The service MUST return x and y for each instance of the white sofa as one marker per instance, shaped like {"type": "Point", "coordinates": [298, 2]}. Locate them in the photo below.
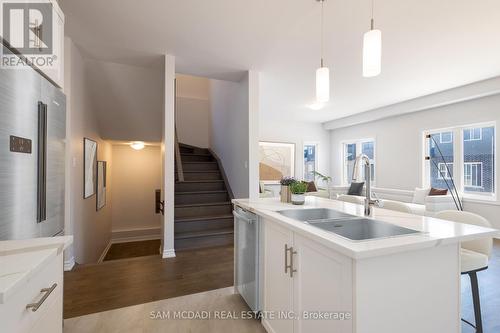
{"type": "Point", "coordinates": [430, 206]}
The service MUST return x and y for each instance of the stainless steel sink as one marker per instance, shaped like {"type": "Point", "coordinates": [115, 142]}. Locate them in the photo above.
{"type": "Point", "coordinates": [362, 229]}
{"type": "Point", "coordinates": [352, 227]}
{"type": "Point", "coordinates": [315, 214]}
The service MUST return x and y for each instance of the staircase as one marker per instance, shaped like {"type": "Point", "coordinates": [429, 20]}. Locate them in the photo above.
{"type": "Point", "coordinates": [203, 209]}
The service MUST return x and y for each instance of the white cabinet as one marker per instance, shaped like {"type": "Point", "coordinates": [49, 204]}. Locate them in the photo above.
{"type": "Point", "coordinates": [42, 290]}
{"type": "Point", "coordinates": [322, 288]}
{"type": "Point", "coordinates": [278, 286]}
{"type": "Point", "coordinates": [304, 280]}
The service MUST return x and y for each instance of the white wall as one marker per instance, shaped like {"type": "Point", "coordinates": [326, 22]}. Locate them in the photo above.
{"type": "Point", "coordinates": [91, 228]}
{"type": "Point", "coordinates": [193, 110]}
{"type": "Point", "coordinates": [230, 131]}
{"type": "Point", "coordinates": [399, 145]}
{"type": "Point", "coordinates": [136, 176]}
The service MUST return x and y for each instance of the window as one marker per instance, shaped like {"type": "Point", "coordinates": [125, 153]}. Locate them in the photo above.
{"type": "Point", "coordinates": [473, 134]}
{"type": "Point", "coordinates": [310, 161]}
{"type": "Point", "coordinates": [479, 160]}
{"type": "Point", "coordinates": [351, 150]}
{"type": "Point", "coordinates": [446, 137]}
{"type": "Point", "coordinates": [469, 153]}
{"type": "Point", "coordinates": [445, 170]}
{"type": "Point", "coordinates": [441, 155]}
{"type": "Point", "coordinates": [473, 174]}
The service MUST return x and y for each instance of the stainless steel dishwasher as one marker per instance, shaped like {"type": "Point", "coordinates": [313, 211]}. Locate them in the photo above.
{"type": "Point", "coordinates": [247, 256]}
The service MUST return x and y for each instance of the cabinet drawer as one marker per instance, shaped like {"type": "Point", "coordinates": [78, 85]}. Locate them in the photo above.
{"type": "Point", "coordinates": [14, 315]}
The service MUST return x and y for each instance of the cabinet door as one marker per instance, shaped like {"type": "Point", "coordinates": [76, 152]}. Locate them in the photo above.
{"type": "Point", "coordinates": [278, 286]}
{"type": "Point", "coordinates": [322, 286]}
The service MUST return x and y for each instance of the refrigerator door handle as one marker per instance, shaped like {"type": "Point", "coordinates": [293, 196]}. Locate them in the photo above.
{"type": "Point", "coordinates": [42, 163]}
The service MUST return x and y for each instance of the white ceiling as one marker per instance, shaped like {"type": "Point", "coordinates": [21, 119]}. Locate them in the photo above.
{"type": "Point", "coordinates": [428, 45]}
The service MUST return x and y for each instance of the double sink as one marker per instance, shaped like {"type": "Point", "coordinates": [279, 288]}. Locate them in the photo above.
{"type": "Point", "coordinates": [352, 227]}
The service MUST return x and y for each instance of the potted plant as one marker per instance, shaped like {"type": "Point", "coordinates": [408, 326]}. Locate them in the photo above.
{"type": "Point", "coordinates": [325, 179]}
{"type": "Point", "coordinates": [285, 194]}
{"type": "Point", "coordinates": [298, 189]}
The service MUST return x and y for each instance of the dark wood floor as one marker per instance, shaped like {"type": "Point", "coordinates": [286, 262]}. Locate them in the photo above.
{"type": "Point", "coordinates": [489, 290]}
{"type": "Point", "coordinates": [133, 249]}
{"type": "Point", "coordinates": [119, 283]}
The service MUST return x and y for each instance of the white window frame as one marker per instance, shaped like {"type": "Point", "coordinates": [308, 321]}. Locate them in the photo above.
{"type": "Point", "coordinates": [441, 170]}
{"type": "Point", "coordinates": [359, 145]}
{"type": "Point", "coordinates": [471, 132]}
{"type": "Point", "coordinates": [458, 160]}
{"type": "Point", "coordinates": [441, 137]}
{"type": "Point", "coordinates": [481, 172]}
{"type": "Point", "coordinates": [316, 161]}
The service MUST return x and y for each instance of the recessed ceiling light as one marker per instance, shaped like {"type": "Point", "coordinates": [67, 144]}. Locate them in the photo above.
{"type": "Point", "coordinates": [137, 145]}
{"type": "Point", "coordinates": [316, 106]}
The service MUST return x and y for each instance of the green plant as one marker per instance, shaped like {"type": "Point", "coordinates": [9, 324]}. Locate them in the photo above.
{"type": "Point", "coordinates": [298, 187]}
{"type": "Point", "coordinates": [324, 178]}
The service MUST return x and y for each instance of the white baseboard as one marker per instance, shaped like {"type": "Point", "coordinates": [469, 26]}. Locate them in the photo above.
{"type": "Point", "coordinates": [103, 254]}
{"type": "Point", "coordinates": [69, 264]}
{"type": "Point", "coordinates": [168, 253]}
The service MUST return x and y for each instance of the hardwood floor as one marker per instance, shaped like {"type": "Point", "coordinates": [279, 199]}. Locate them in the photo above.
{"type": "Point", "coordinates": [119, 283]}
{"type": "Point", "coordinates": [133, 249]}
{"type": "Point", "coordinates": [489, 290]}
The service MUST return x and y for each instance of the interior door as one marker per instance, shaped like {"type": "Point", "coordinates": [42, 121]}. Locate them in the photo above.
{"type": "Point", "coordinates": [56, 137]}
{"type": "Point", "coordinates": [278, 287]}
{"type": "Point", "coordinates": [19, 97]}
{"type": "Point", "coordinates": [322, 286]}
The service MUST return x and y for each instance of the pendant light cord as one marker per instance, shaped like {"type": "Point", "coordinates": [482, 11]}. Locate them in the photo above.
{"type": "Point", "coordinates": [372, 22]}
{"type": "Point", "coordinates": [322, 31]}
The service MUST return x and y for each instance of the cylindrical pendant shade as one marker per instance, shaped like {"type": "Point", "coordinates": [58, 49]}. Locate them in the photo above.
{"type": "Point", "coordinates": [372, 53]}
{"type": "Point", "coordinates": [322, 85]}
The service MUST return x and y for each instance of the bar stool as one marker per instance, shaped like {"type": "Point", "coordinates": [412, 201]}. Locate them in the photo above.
{"type": "Point", "coordinates": [474, 257]}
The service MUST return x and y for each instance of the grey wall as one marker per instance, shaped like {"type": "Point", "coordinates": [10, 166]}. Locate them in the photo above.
{"type": "Point", "coordinates": [91, 228]}
{"type": "Point", "coordinates": [399, 145]}
{"type": "Point", "coordinates": [230, 131]}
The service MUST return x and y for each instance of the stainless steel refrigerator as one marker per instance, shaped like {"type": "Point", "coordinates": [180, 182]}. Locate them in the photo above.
{"type": "Point", "coordinates": [32, 155]}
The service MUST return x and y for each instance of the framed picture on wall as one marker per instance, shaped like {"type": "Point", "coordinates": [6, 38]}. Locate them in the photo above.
{"type": "Point", "coordinates": [101, 184]}
{"type": "Point", "coordinates": [276, 160]}
{"type": "Point", "coordinates": [89, 167]}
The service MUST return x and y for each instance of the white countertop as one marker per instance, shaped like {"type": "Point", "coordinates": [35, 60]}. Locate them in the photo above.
{"type": "Point", "coordinates": [22, 259]}
{"type": "Point", "coordinates": [434, 232]}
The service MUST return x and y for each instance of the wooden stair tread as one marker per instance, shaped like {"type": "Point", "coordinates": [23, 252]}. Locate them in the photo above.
{"type": "Point", "coordinates": [223, 203]}
{"type": "Point", "coordinates": [195, 154]}
{"type": "Point", "coordinates": [203, 218]}
{"type": "Point", "coordinates": [201, 181]}
{"type": "Point", "coordinates": [200, 162]}
{"type": "Point", "coordinates": [204, 233]}
{"type": "Point", "coordinates": [202, 171]}
{"type": "Point", "coordinates": [201, 192]}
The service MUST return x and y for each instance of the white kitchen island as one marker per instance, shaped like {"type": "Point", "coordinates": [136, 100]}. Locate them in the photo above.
{"type": "Point", "coordinates": [315, 281]}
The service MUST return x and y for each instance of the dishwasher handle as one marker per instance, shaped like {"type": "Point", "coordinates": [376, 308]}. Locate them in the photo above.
{"type": "Point", "coordinates": [244, 218]}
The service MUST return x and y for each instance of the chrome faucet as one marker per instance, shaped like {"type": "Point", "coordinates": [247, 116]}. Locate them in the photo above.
{"type": "Point", "coordinates": [363, 159]}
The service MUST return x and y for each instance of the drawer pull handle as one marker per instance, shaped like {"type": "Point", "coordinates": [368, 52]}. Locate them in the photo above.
{"type": "Point", "coordinates": [47, 292]}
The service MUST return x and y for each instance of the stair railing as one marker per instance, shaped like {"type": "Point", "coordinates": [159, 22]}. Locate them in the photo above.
{"type": "Point", "coordinates": [180, 171]}
{"type": "Point", "coordinates": [178, 161]}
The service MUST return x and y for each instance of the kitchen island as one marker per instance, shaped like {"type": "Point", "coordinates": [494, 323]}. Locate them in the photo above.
{"type": "Point", "coordinates": [314, 280]}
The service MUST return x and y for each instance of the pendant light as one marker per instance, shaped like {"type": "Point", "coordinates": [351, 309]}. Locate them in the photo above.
{"type": "Point", "coordinates": [372, 50]}
{"type": "Point", "coordinates": [322, 73]}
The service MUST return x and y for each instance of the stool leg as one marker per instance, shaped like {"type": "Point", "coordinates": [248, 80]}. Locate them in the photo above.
{"type": "Point", "coordinates": [477, 303]}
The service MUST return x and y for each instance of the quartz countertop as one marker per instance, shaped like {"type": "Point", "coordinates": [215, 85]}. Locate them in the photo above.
{"type": "Point", "coordinates": [20, 260]}
{"type": "Point", "coordinates": [433, 232]}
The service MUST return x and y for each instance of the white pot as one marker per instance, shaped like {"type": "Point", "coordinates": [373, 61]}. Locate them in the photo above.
{"type": "Point", "coordinates": [298, 199]}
